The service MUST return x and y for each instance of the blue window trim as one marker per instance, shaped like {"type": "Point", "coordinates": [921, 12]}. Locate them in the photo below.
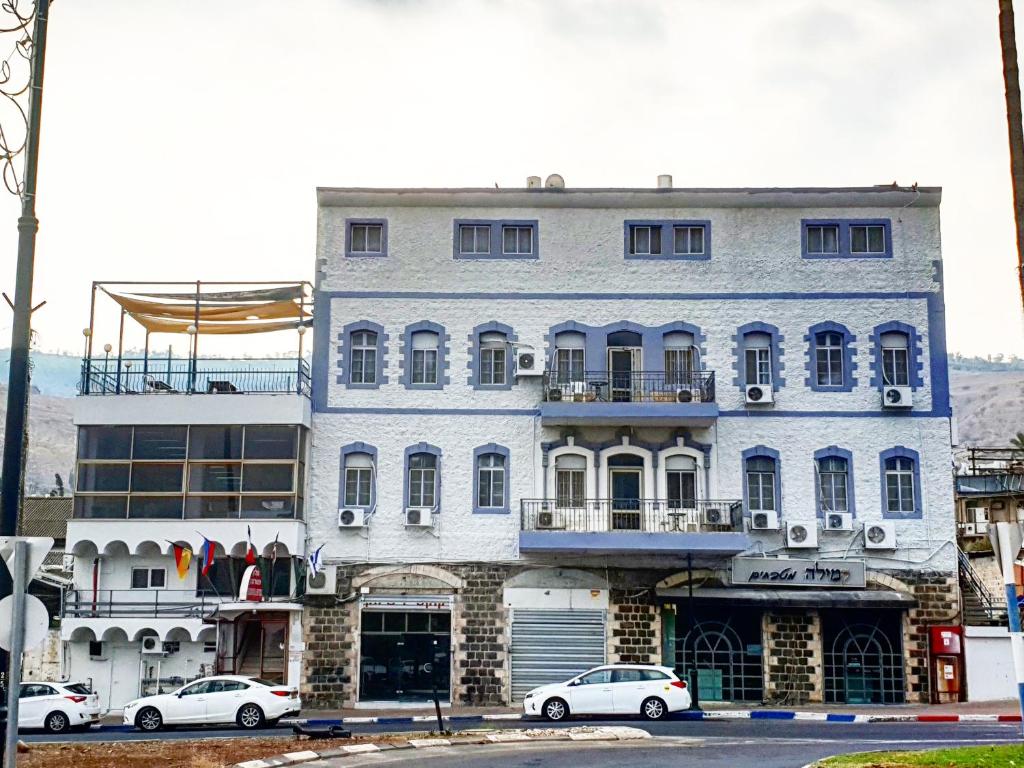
{"type": "Point", "coordinates": [474, 355]}
{"type": "Point", "coordinates": [344, 350]}
{"type": "Point", "coordinates": [596, 342]}
{"type": "Point", "coordinates": [433, 450]}
{"type": "Point", "coordinates": [902, 452]}
{"type": "Point", "coordinates": [849, 364]}
{"type": "Point", "coordinates": [350, 254]}
{"type": "Point", "coordinates": [443, 355]}
{"type": "Point", "coordinates": [844, 238]}
{"type": "Point", "coordinates": [915, 364]}
{"type": "Point", "coordinates": [484, 450]}
{"type": "Point", "coordinates": [346, 451]}
{"type": "Point", "coordinates": [497, 241]}
{"type": "Point", "coordinates": [667, 239]}
{"type": "Point", "coordinates": [834, 451]}
{"type": "Point", "coordinates": [739, 357]}
{"type": "Point", "coordinates": [764, 451]}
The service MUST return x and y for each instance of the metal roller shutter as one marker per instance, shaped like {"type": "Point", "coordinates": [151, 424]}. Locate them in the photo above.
{"type": "Point", "coordinates": [552, 646]}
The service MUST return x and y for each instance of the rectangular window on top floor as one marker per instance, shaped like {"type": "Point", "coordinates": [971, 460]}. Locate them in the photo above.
{"type": "Point", "coordinates": [823, 240]}
{"type": "Point", "coordinates": [645, 240]}
{"type": "Point", "coordinates": [367, 237]}
{"type": "Point", "coordinates": [495, 239]}
{"type": "Point", "coordinates": [867, 239]}
{"type": "Point", "coordinates": [689, 240]}
{"type": "Point", "coordinates": [517, 240]}
{"type": "Point", "coordinates": [475, 239]}
{"type": "Point", "coordinates": [846, 238]}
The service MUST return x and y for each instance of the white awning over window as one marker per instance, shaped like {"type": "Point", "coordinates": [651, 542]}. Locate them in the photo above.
{"type": "Point", "coordinates": [492, 339]}
{"type": "Point", "coordinates": [757, 341]}
{"type": "Point", "coordinates": [679, 462]}
{"type": "Point", "coordinates": [894, 340]}
{"type": "Point", "coordinates": [358, 460]}
{"type": "Point", "coordinates": [679, 340]}
{"type": "Point", "coordinates": [570, 340]}
{"type": "Point", "coordinates": [424, 340]}
{"type": "Point", "coordinates": [571, 461]}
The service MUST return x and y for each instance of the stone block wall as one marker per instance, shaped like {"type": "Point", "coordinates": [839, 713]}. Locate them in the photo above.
{"type": "Point", "coordinates": [330, 664]}
{"type": "Point", "coordinates": [792, 657]}
{"type": "Point", "coordinates": [634, 628]}
{"type": "Point", "coordinates": [480, 634]}
{"type": "Point", "coordinates": [938, 602]}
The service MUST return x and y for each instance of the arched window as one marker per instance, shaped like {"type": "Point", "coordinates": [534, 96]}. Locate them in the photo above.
{"type": "Point", "coordinates": [679, 358]}
{"type": "Point", "coordinates": [491, 479]}
{"type": "Point", "coordinates": [422, 480]}
{"type": "Point", "coordinates": [570, 357]}
{"type": "Point", "coordinates": [761, 489]}
{"type": "Point", "coordinates": [901, 483]}
{"type": "Point", "coordinates": [757, 351]}
{"type": "Point", "coordinates": [681, 476]}
{"type": "Point", "coordinates": [363, 368]}
{"type": "Point", "coordinates": [833, 484]}
{"type": "Point", "coordinates": [363, 353]}
{"type": "Point", "coordinates": [490, 356]}
{"type": "Point", "coordinates": [424, 357]}
{"type": "Point", "coordinates": [895, 359]}
{"type": "Point", "coordinates": [570, 480]}
{"type": "Point", "coordinates": [358, 480]}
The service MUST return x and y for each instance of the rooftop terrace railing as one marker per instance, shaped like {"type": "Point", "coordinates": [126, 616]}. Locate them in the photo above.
{"type": "Point", "coordinates": [103, 376]}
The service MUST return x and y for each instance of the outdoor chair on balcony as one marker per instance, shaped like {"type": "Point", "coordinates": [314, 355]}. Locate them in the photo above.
{"type": "Point", "coordinates": [156, 385]}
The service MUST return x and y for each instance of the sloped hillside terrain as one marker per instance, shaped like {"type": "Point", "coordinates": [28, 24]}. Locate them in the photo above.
{"type": "Point", "coordinates": [51, 441]}
{"type": "Point", "coordinates": [989, 406]}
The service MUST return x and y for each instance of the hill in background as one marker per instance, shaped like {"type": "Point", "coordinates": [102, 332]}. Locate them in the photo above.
{"type": "Point", "coordinates": [989, 406]}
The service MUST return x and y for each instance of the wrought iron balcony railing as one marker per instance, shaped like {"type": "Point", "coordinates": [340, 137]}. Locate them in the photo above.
{"type": "Point", "coordinates": [642, 515]}
{"type": "Point", "coordinates": [104, 376]}
{"type": "Point", "coordinates": [630, 387]}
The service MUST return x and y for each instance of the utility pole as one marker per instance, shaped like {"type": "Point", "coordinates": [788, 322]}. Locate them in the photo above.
{"type": "Point", "coordinates": [1011, 81]}
{"type": "Point", "coordinates": [12, 482]}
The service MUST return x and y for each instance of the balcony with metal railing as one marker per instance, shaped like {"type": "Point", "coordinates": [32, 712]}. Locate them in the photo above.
{"type": "Point", "coordinates": [617, 397]}
{"type": "Point", "coordinates": [136, 376]}
{"type": "Point", "coordinates": [142, 603]}
{"type": "Point", "coordinates": [651, 526]}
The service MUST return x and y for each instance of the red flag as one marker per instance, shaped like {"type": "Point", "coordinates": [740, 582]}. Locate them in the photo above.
{"type": "Point", "coordinates": [250, 553]}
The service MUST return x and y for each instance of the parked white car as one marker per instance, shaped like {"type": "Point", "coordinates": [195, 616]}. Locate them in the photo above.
{"type": "Point", "coordinates": [620, 689]}
{"type": "Point", "coordinates": [57, 707]}
{"type": "Point", "coordinates": [246, 701]}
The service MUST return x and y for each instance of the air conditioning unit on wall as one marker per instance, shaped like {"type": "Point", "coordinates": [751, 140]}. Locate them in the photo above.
{"type": "Point", "coordinates": [548, 519]}
{"type": "Point", "coordinates": [764, 521]}
{"type": "Point", "coordinates": [324, 583]}
{"type": "Point", "coordinates": [802, 535]}
{"type": "Point", "coordinates": [880, 535]}
{"type": "Point", "coordinates": [838, 521]}
{"type": "Point", "coordinates": [897, 397]}
{"type": "Point", "coordinates": [351, 518]}
{"type": "Point", "coordinates": [151, 645]}
{"type": "Point", "coordinates": [759, 394]}
{"type": "Point", "coordinates": [528, 361]}
{"type": "Point", "coordinates": [419, 517]}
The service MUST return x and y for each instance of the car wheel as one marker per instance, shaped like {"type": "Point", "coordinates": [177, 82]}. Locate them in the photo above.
{"type": "Point", "coordinates": [57, 722]}
{"type": "Point", "coordinates": [555, 710]}
{"type": "Point", "coordinates": [149, 719]}
{"type": "Point", "coordinates": [250, 717]}
{"type": "Point", "coordinates": [653, 708]}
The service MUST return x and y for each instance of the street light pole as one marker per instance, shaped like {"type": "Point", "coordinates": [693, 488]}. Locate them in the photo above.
{"type": "Point", "coordinates": [11, 482]}
{"type": "Point", "coordinates": [1011, 84]}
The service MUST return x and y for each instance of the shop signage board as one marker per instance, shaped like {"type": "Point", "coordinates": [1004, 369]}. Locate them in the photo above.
{"type": "Point", "coordinates": [794, 572]}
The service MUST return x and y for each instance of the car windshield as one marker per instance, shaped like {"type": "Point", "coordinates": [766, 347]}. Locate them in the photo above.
{"type": "Point", "coordinates": [78, 688]}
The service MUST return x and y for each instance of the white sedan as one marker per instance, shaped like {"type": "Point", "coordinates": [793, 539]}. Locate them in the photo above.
{"type": "Point", "coordinates": [620, 689]}
{"type": "Point", "coordinates": [247, 701]}
{"type": "Point", "coordinates": [57, 707]}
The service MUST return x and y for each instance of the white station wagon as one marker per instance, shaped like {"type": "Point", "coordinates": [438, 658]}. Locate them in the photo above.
{"type": "Point", "coordinates": [619, 689]}
{"type": "Point", "coordinates": [246, 701]}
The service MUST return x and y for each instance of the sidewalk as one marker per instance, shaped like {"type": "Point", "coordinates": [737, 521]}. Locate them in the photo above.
{"type": "Point", "coordinates": [995, 711]}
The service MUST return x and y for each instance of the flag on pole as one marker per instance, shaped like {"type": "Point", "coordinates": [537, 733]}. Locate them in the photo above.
{"type": "Point", "coordinates": [273, 552]}
{"type": "Point", "coordinates": [314, 561]}
{"type": "Point", "coordinates": [206, 555]}
{"type": "Point", "coordinates": [250, 553]}
{"type": "Point", "coordinates": [182, 559]}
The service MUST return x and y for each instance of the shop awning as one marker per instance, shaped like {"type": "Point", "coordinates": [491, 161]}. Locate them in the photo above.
{"type": "Point", "coordinates": [236, 609]}
{"type": "Point", "coordinates": [795, 598]}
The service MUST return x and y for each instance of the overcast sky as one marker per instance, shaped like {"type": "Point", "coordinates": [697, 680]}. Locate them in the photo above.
{"type": "Point", "coordinates": [183, 139]}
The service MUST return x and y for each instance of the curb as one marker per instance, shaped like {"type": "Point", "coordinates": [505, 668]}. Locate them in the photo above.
{"type": "Point", "coordinates": [614, 733]}
{"type": "Point", "coordinates": [720, 714]}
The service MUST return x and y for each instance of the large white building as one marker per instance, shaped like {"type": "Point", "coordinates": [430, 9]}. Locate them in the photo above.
{"type": "Point", "coordinates": [175, 450]}
{"type": "Point", "coordinates": [554, 427]}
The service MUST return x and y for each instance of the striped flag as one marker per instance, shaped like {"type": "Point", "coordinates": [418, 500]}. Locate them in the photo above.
{"type": "Point", "coordinates": [182, 560]}
{"type": "Point", "coordinates": [315, 563]}
{"type": "Point", "coordinates": [206, 555]}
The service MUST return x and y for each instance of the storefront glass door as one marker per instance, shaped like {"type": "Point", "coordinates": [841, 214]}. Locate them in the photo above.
{"type": "Point", "coordinates": [404, 656]}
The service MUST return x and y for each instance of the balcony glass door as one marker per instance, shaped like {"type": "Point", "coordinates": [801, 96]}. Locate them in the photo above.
{"type": "Point", "coordinates": [626, 483]}
{"type": "Point", "coordinates": [624, 369]}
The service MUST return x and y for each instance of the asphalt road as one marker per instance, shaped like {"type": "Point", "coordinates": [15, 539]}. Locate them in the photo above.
{"type": "Point", "coordinates": [696, 744]}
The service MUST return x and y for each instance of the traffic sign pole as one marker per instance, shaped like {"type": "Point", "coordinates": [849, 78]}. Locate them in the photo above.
{"type": "Point", "coordinates": [19, 572]}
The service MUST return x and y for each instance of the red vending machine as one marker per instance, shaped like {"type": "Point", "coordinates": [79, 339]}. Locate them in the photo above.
{"type": "Point", "coordinates": [946, 646]}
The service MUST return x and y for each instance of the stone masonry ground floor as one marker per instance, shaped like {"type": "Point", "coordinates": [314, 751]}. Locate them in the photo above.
{"type": "Point", "coordinates": [485, 634]}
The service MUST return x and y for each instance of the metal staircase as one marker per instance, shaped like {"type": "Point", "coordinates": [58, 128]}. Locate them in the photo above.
{"type": "Point", "coordinates": [980, 606]}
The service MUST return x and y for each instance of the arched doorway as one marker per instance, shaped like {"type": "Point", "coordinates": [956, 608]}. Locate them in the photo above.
{"type": "Point", "coordinates": [863, 659]}
{"type": "Point", "coordinates": [723, 652]}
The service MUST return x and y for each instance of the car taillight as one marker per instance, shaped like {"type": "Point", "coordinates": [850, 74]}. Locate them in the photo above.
{"type": "Point", "coordinates": [77, 699]}
{"type": "Point", "coordinates": [281, 693]}
{"type": "Point", "coordinates": [679, 684]}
